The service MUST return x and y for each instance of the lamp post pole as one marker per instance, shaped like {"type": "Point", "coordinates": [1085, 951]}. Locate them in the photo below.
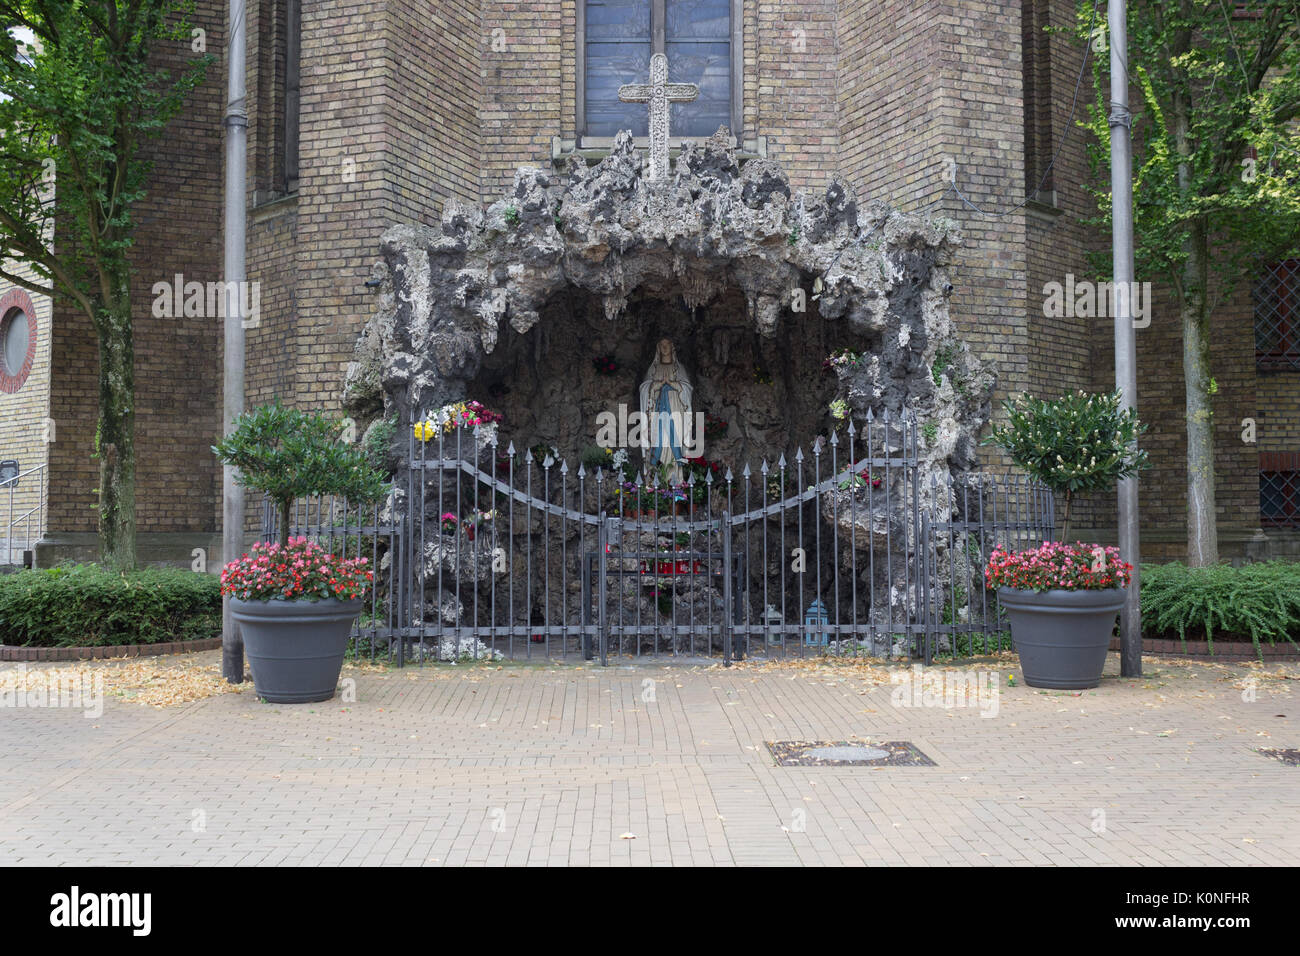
{"type": "Point", "coordinates": [232, 510]}
{"type": "Point", "coordinates": [1121, 191]}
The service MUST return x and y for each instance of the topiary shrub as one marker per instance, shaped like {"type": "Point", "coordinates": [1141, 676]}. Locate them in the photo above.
{"type": "Point", "coordinates": [1078, 443]}
{"type": "Point", "coordinates": [86, 605]}
{"type": "Point", "coordinates": [1256, 602]}
{"type": "Point", "coordinates": [289, 454]}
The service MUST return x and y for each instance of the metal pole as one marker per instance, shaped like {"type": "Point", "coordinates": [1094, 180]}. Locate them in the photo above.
{"type": "Point", "coordinates": [1121, 187]}
{"type": "Point", "coordinates": [232, 513]}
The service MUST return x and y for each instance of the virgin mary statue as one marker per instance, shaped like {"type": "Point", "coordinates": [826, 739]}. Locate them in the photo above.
{"type": "Point", "coordinates": [666, 412]}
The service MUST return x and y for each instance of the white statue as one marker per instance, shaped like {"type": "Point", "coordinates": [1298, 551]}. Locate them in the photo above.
{"type": "Point", "coordinates": [666, 413]}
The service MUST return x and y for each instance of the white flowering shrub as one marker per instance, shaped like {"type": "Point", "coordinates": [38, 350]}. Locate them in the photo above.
{"type": "Point", "coordinates": [1078, 443]}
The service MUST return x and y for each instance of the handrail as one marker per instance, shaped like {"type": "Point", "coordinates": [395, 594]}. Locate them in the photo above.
{"type": "Point", "coordinates": [41, 510]}
{"type": "Point", "coordinates": [14, 479]}
{"type": "Point", "coordinates": [810, 492]}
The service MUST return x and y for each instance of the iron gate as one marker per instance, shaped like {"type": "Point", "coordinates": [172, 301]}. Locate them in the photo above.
{"type": "Point", "coordinates": [852, 548]}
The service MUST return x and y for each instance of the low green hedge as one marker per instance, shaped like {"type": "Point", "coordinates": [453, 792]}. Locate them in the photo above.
{"type": "Point", "coordinates": [86, 605]}
{"type": "Point", "coordinates": [1256, 602]}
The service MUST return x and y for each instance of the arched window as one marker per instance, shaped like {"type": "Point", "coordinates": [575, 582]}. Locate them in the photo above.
{"type": "Point", "coordinates": [17, 339]}
{"type": "Point", "coordinates": [701, 40]}
{"type": "Point", "coordinates": [273, 156]}
{"type": "Point", "coordinates": [1036, 67]}
{"type": "Point", "coordinates": [292, 63]}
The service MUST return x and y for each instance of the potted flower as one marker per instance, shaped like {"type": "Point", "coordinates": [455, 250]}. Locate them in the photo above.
{"type": "Point", "coordinates": [295, 603]}
{"type": "Point", "coordinates": [448, 418]}
{"type": "Point", "coordinates": [1061, 602]}
{"type": "Point", "coordinates": [477, 520]}
{"type": "Point", "coordinates": [841, 360]}
{"type": "Point", "coordinates": [1062, 599]}
{"type": "Point", "coordinates": [627, 500]}
{"type": "Point", "coordinates": [857, 480]}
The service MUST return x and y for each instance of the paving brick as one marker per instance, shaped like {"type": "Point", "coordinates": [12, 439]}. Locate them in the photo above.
{"type": "Point", "coordinates": [1169, 760]}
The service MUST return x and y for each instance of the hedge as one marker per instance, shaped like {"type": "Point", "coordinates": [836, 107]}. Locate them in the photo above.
{"type": "Point", "coordinates": [1256, 602]}
{"type": "Point", "coordinates": [86, 605]}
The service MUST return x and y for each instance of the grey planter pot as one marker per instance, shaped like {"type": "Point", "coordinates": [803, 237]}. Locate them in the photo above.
{"type": "Point", "coordinates": [1062, 636]}
{"type": "Point", "coordinates": [295, 648]}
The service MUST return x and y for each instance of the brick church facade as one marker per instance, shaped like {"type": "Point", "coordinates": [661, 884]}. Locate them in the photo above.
{"type": "Point", "coordinates": [363, 115]}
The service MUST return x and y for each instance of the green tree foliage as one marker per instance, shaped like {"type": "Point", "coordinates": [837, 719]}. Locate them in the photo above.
{"type": "Point", "coordinates": [1216, 147]}
{"type": "Point", "coordinates": [1077, 443]}
{"type": "Point", "coordinates": [289, 454]}
{"type": "Point", "coordinates": [81, 96]}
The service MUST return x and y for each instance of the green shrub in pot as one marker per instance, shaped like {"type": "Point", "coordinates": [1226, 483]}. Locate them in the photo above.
{"type": "Point", "coordinates": [295, 603]}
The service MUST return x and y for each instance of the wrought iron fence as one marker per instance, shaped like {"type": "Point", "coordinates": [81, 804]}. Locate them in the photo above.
{"type": "Point", "coordinates": [975, 513]}
{"type": "Point", "coordinates": [852, 546]}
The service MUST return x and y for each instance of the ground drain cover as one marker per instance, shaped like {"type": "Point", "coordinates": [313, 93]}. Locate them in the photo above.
{"type": "Point", "coordinates": [1289, 757]}
{"type": "Point", "coordinates": [847, 753]}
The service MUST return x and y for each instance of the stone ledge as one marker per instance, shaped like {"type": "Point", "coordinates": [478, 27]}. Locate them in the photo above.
{"type": "Point", "coordinates": [268, 205]}
{"type": "Point", "coordinates": [1237, 546]}
{"type": "Point", "coordinates": [1223, 650]}
{"type": "Point", "coordinates": [153, 548]}
{"type": "Point", "coordinates": [592, 153]}
{"type": "Point", "coordinates": [106, 651]}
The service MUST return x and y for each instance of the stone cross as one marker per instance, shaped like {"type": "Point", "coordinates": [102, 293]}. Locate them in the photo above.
{"type": "Point", "coordinates": [658, 93]}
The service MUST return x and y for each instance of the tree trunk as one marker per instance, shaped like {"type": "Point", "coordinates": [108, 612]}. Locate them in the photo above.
{"type": "Point", "coordinates": [1202, 529]}
{"type": "Point", "coordinates": [1202, 533]}
{"type": "Point", "coordinates": [116, 433]}
{"type": "Point", "coordinates": [283, 507]}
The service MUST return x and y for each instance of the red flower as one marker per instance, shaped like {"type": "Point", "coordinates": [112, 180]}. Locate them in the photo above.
{"type": "Point", "coordinates": [305, 570]}
{"type": "Point", "coordinates": [1070, 567]}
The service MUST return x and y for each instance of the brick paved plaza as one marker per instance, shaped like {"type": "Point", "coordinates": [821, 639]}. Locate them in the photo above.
{"type": "Point", "coordinates": [531, 764]}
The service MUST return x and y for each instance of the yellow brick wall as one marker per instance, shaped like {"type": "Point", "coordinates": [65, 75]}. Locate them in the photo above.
{"type": "Point", "coordinates": [177, 360]}
{"type": "Point", "coordinates": [23, 414]}
{"type": "Point", "coordinates": [404, 105]}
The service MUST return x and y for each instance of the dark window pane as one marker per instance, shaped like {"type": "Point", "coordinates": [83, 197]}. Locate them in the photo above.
{"type": "Point", "coordinates": [618, 19]}
{"type": "Point", "coordinates": [618, 48]}
{"type": "Point", "coordinates": [709, 66]}
{"type": "Point", "coordinates": [15, 342]}
{"type": "Point", "coordinates": [1276, 296]}
{"type": "Point", "coordinates": [1279, 498]}
{"type": "Point", "coordinates": [698, 19]}
{"type": "Point", "coordinates": [609, 66]}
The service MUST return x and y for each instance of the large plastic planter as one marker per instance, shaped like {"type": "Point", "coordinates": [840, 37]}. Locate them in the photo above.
{"type": "Point", "coordinates": [295, 648]}
{"type": "Point", "coordinates": [1062, 636]}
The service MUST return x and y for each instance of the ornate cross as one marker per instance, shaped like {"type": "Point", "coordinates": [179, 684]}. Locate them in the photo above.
{"type": "Point", "coordinates": [658, 93]}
